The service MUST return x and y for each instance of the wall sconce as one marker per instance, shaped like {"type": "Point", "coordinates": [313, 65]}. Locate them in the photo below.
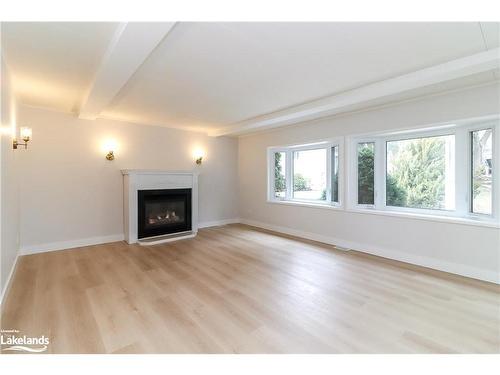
{"type": "Point", "coordinates": [198, 156]}
{"type": "Point", "coordinates": [26, 135]}
{"type": "Point", "coordinates": [109, 146]}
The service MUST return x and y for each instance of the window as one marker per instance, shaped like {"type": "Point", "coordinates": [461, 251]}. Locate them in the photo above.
{"type": "Point", "coordinates": [335, 174]}
{"type": "Point", "coordinates": [279, 175]}
{"type": "Point", "coordinates": [307, 173]}
{"type": "Point", "coordinates": [448, 171]}
{"type": "Point", "coordinates": [419, 173]}
{"type": "Point", "coordinates": [482, 171]}
{"type": "Point", "coordinates": [366, 173]}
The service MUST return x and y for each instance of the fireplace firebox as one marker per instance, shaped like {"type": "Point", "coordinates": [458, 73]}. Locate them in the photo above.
{"type": "Point", "coordinates": [162, 212]}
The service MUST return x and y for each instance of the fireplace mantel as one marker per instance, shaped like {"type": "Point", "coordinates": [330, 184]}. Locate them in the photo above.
{"type": "Point", "coordinates": [149, 179]}
{"type": "Point", "coordinates": [156, 172]}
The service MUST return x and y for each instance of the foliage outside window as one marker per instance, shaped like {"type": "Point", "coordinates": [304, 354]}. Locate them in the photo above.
{"type": "Point", "coordinates": [447, 171]}
{"type": "Point", "coordinates": [279, 175]}
{"type": "Point", "coordinates": [366, 173]}
{"type": "Point", "coordinates": [335, 174]}
{"type": "Point", "coordinates": [482, 171]}
{"type": "Point", "coordinates": [418, 173]}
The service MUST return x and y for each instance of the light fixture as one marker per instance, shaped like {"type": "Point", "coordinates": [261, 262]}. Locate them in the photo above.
{"type": "Point", "coordinates": [26, 135]}
{"type": "Point", "coordinates": [109, 146]}
{"type": "Point", "coordinates": [198, 156]}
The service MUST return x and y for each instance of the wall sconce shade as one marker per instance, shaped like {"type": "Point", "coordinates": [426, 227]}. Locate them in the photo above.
{"type": "Point", "coordinates": [26, 135]}
{"type": "Point", "coordinates": [198, 156]}
{"type": "Point", "coordinates": [109, 146]}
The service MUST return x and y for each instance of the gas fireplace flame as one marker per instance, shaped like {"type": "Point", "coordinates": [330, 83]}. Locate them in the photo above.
{"type": "Point", "coordinates": [164, 218]}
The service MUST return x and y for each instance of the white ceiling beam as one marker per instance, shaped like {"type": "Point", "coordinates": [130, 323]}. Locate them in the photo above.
{"type": "Point", "coordinates": [491, 33]}
{"type": "Point", "coordinates": [478, 63]}
{"type": "Point", "coordinates": [132, 43]}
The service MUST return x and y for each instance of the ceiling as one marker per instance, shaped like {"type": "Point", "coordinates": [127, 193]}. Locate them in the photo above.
{"type": "Point", "coordinates": [213, 76]}
{"type": "Point", "coordinates": [53, 63]}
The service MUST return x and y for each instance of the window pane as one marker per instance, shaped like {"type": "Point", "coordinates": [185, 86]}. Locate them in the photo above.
{"type": "Point", "coordinates": [482, 152]}
{"type": "Point", "coordinates": [279, 175]}
{"type": "Point", "coordinates": [366, 173]}
{"type": "Point", "coordinates": [335, 174]}
{"type": "Point", "coordinates": [420, 173]}
{"type": "Point", "coordinates": [309, 174]}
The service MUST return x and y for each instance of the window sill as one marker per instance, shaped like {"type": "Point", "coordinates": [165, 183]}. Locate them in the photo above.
{"type": "Point", "coordinates": [436, 218]}
{"type": "Point", "coordinates": [306, 204]}
{"type": "Point", "coordinates": [409, 215]}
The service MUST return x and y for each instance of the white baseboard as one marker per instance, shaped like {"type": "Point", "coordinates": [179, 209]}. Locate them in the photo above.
{"type": "Point", "coordinates": [62, 245]}
{"type": "Point", "coordinates": [455, 268]}
{"type": "Point", "coordinates": [299, 233]}
{"type": "Point", "coordinates": [8, 282]}
{"type": "Point", "coordinates": [440, 265]}
{"type": "Point", "coordinates": [217, 223]}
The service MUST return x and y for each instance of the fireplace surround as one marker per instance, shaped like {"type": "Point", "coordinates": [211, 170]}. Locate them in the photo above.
{"type": "Point", "coordinates": [159, 206]}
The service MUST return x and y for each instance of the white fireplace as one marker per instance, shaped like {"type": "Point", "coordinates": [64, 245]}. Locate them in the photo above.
{"type": "Point", "coordinates": [181, 218]}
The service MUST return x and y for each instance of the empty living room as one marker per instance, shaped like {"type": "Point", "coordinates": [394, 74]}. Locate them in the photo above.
{"type": "Point", "coordinates": [256, 186]}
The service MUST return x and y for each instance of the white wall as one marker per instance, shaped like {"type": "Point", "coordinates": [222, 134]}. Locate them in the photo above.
{"type": "Point", "coordinates": [70, 194]}
{"type": "Point", "coordinates": [469, 250]}
{"type": "Point", "coordinates": [9, 208]}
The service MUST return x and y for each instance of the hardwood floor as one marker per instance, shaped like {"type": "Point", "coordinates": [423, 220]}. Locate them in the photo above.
{"type": "Point", "coordinates": [234, 289]}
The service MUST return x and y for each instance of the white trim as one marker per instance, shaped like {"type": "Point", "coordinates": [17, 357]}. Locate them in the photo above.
{"type": "Point", "coordinates": [432, 217]}
{"type": "Point", "coordinates": [440, 265]}
{"type": "Point", "coordinates": [311, 204]}
{"type": "Point", "coordinates": [157, 171]}
{"type": "Point", "coordinates": [63, 245]}
{"type": "Point", "coordinates": [218, 223]}
{"type": "Point", "coordinates": [495, 143]}
{"type": "Point", "coordinates": [346, 245]}
{"type": "Point", "coordinates": [359, 97]}
{"type": "Point", "coordinates": [8, 282]}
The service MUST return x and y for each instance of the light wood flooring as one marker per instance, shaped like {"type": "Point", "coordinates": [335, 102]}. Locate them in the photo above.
{"type": "Point", "coordinates": [235, 289]}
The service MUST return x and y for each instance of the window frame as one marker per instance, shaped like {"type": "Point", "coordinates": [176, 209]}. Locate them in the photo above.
{"type": "Point", "coordinates": [495, 167]}
{"type": "Point", "coordinates": [463, 186]}
{"type": "Point", "coordinates": [289, 167]}
{"type": "Point", "coordinates": [348, 172]}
